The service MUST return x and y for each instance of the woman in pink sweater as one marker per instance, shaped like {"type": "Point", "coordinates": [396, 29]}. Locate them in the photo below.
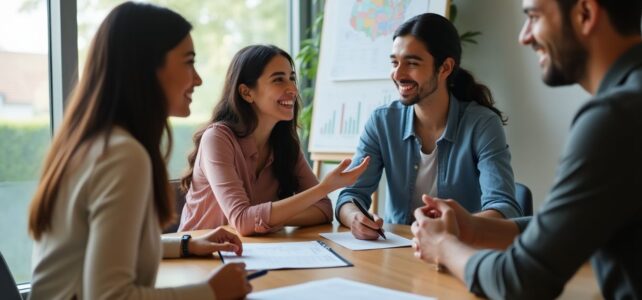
{"type": "Point", "coordinates": [247, 168]}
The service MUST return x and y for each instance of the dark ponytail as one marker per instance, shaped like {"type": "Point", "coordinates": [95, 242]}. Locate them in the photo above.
{"type": "Point", "coordinates": [464, 86]}
{"type": "Point", "coordinates": [441, 39]}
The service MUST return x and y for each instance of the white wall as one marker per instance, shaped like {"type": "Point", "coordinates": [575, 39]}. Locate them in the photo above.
{"type": "Point", "coordinates": [539, 116]}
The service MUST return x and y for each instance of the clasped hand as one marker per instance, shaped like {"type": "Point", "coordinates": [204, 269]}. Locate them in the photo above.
{"type": "Point", "coordinates": [434, 222]}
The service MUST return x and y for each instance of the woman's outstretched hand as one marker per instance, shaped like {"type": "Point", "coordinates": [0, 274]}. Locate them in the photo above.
{"type": "Point", "coordinates": [341, 177]}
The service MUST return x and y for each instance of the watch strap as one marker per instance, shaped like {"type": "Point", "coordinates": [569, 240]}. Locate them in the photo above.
{"type": "Point", "coordinates": [184, 242]}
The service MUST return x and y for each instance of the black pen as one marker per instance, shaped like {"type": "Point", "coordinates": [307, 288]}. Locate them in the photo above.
{"type": "Point", "coordinates": [365, 212]}
{"type": "Point", "coordinates": [256, 274]}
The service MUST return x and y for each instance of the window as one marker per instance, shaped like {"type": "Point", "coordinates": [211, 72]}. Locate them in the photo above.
{"type": "Point", "coordinates": [27, 108]}
{"type": "Point", "coordinates": [24, 123]}
{"type": "Point", "coordinates": [220, 29]}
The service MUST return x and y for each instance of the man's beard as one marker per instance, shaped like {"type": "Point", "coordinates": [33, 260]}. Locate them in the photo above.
{"type": "Point", "coordinates": [432, 87]}
{"type": "Point", "coordinates": [569, 64]}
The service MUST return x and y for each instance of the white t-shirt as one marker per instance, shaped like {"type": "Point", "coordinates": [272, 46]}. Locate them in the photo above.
{"type": "Point", "coordinates": [426, 182]}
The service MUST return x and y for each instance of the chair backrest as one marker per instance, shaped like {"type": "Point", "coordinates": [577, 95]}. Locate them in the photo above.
{"type": "Point", "coordinates": [8, 288]}
{"type": "Point", "coordinates": [180, 202]}
{"type": "Point", "coordinates": [524, 198]}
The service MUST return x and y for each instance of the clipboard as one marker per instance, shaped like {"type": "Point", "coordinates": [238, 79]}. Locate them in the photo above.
{"type": "Point", "coordinates": [348, 263]}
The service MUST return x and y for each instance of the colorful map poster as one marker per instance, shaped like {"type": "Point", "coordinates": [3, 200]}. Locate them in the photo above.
{"type": "Point", "coordinates": [378, 18]}
{"type": "Point", "coordinates": [364, 38]}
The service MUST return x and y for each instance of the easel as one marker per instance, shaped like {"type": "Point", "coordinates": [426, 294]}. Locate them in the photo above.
{"type": "Point", "coordinates": [318, 158]}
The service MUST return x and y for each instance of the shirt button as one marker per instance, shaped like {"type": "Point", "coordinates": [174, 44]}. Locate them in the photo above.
{"type": "Point", "coordinates": [416, 167]}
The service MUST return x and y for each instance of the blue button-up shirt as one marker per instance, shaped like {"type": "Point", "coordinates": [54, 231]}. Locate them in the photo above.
{"type": "Point", "coordinates": [473, 161]}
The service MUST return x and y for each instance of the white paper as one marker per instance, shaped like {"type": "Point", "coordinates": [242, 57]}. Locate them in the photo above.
{"type": "Point", "coordinates": [335, 289]}
{"type": "Point", "coordinates": [346, 239]}
{"type": "Point", "coordinates": [295, 255]}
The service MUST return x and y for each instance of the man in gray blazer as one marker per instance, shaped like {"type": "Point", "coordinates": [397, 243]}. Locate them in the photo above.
{"type": "Point", "coordinates": [594, 209]}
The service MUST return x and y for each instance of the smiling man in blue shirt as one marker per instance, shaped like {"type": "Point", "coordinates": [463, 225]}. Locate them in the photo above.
{"type": "Point", "coordinates": [443, 138]}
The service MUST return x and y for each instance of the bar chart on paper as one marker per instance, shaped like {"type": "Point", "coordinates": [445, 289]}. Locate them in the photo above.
{"type": "Point", "coordinates": [339, 122]}
{"type": "Point", "coordinates": [345, 124]}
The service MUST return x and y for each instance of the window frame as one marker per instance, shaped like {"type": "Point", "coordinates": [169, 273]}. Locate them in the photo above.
{"type": "Point", "coordinates": [63, 56]}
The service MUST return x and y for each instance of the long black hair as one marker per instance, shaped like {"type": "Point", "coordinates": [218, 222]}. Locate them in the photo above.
{"type": "Point", "coordinates": [246, 67]}
{"type": "Point", "coordinates": [441, 39]}
{"type": "Point", "coordinates": [119, 87]}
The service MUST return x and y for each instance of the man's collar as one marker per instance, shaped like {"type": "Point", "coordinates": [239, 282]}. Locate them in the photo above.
{"type": "Point", "coordinates": [409, 128]}
{"type": "Point", "coordinates": [620, 70]}
{"type": "Point", "coordinates": [452, 122]}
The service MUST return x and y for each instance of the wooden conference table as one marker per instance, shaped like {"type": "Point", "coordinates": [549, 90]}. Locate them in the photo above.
{"type": "Point", "coordinates": [394, 268]}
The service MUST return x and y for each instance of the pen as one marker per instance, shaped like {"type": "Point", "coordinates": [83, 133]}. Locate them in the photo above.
{"type": "Point", "coordinates": [365, 212]}
{"type": "Point", "coordinates": [256, 274]}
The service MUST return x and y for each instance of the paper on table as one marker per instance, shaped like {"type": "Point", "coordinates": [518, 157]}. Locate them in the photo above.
{"type": "Point", "coordinates": [335, 289]}
{"type": "Point", "coordinates": [295, 255]}
{"type": "Point", "coordinates": [346, 239]}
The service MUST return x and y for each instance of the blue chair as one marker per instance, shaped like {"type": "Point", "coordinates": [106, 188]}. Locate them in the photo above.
{"type": "Point", "coordinates": [524, 198]}
{"type": "Point", "coordinates": [8, 287]}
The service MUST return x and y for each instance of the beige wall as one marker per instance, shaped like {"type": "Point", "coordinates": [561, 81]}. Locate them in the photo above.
{"type": "Point", "coordinates": [539, 116]}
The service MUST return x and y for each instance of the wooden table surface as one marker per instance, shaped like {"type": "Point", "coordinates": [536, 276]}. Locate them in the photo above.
{"type": "Point", "coordinates": [394, 268]}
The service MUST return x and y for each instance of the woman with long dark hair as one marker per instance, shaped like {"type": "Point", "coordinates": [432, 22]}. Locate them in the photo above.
{"type": "Point", "coordinates": [247, 168]}
{"type": "Point", "coordinates": [104, 194]}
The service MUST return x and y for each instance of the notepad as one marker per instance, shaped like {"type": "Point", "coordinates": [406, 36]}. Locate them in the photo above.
{"type": "Point", "coordinates": [335, 289]}
{"type": "Point", "coordinates": [347, 240]}
{"type": "Point", "coordinates": [294, 255]}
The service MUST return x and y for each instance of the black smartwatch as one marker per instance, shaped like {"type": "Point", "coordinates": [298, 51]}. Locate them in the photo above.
{"type": "Point", "coordinates": [184, 243]}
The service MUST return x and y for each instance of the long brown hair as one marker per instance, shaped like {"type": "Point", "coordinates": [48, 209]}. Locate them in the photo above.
{"type": "Point", "coordinates": [246, 68]}
{"type": "Point", "coordinates": [441, 39]}
{"type": "Point", "coordinates": [119, 87]}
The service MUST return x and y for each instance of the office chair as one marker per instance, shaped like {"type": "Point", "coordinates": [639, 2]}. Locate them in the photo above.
{"type": "Point", "coordinates": [180, 202]}
{"type": "Point", "coordinates": [524, 198]}
{"type": "Point", "coordinates": [8, 287]}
